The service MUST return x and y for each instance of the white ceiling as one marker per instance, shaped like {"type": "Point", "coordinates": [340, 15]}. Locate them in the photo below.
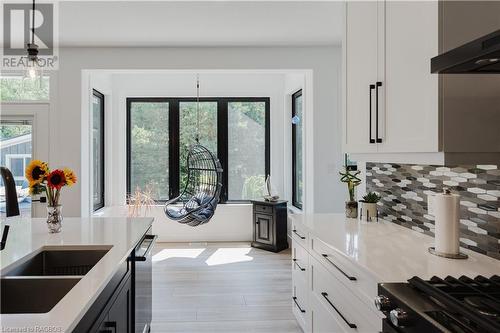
{"type": "Point", "coordinates": [205, 23]}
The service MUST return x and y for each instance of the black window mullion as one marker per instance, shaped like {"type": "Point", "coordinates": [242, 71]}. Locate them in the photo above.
{"type": "Point", "coordinates": [222, 144]}
{"type": "Point", "coordinates": [173, 147]}
{"type": "Point", "coordinates": [102, 145]}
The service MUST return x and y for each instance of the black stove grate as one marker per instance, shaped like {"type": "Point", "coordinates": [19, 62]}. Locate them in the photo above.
{"type": "Point", "coordinates": [476, 301]}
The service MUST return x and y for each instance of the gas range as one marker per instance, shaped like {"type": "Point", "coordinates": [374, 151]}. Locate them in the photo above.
{"type": "Point", "coordinates": [441, 305]}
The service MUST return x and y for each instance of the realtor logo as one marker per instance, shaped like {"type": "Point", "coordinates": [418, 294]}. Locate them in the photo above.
{"type": "Point", "coordinates": [17, 34]}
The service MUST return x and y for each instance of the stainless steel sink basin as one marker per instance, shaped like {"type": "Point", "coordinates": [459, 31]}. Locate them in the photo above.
{"type": "Point", "coordinates": [63, 261]}
{"type": "Point", "coordinates": [33, 295]}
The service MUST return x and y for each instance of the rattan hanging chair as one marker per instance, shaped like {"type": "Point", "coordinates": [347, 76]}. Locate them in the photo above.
{"type": "Point", "coordinates": [201, 194]}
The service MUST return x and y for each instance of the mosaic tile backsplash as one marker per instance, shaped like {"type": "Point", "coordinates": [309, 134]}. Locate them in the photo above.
{"type": "Point", "coordinates": [404, 189]}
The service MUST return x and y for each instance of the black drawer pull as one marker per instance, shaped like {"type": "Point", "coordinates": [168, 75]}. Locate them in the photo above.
{"type": "Point", "coordinates": [297, 304]}
{"type": "Point", "coordinates": [301, 268]}
{"type": "Point", "coordinates": [325, 295]}
{"type": "Point", "coordinates": [300, 236]}
{"type": "Point", "coordinates": [377, 85]}
{"type": "Point", "coordinates": [352, 278]}
{"type": "Point", "coordinates": [372, 86]}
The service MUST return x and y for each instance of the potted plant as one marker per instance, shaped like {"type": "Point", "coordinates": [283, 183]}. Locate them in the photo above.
{"type": "Point", "coordinates": [350, 177]}
{"type": "Point", "coordinates": [41, 179]}
{"type": "Point", "coordinates": [369, 206]}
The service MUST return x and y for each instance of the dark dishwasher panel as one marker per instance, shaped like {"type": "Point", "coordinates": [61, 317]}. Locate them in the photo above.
{"type": "Point", "coordinates": [142, 283]}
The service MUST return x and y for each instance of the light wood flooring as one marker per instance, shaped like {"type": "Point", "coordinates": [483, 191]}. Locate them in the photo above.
{"type": "Point", "coordinates": [221, 287]}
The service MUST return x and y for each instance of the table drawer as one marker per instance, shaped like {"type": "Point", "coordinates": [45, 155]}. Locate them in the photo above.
{"type": "Point", "coordinates": [353, 277]}
{"type": "Point", "coordinates": [263, 209]}
{"type": "Point", "coordinates": [343, 304]}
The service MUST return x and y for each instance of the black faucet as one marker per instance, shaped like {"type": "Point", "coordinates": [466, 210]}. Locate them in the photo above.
{"type": "Point", "coordinates": [4, 237]}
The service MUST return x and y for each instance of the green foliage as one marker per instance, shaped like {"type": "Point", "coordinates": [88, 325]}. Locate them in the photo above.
{"type": "Point", "coordinates": [15, 88]}
{"type": "Point", "coordinates": [371, 197]}
{"type": "Point", "coordinates": [12, 131]}
{"type": "Point", "coordinates": [253, 187]}
{"type": "Point", "coordinates": [352, 180]}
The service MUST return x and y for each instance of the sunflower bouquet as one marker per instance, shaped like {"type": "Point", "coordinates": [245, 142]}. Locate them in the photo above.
{"type": "Point", "coordinates": [42, 179]}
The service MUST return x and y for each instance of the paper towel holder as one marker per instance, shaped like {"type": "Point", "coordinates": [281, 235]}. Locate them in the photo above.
{"type": "Point", "coordinates": [459, 255]}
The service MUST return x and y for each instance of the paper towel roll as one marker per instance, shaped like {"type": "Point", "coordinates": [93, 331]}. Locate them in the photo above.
{"type": "Point", "coordinates": [447, 228]}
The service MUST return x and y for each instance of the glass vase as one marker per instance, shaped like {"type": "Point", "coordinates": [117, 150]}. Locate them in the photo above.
{"type": "Point", "coordinates": [351, 209]}
{"type": "Point", "coordinates": [54, 218]}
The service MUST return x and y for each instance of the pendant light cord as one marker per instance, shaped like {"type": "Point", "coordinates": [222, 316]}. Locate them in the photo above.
{"type": "Point", "coordinates": [33, 24]}
{"type": "Point", "coordinates": [197, 108]}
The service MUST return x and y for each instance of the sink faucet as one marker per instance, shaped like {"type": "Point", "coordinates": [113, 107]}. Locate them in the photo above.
{"type": "Point", "coordinates": [4, 237]}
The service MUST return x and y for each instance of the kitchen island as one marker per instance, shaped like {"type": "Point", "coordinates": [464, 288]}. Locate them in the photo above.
{"type": "Point", "coordinates": [117, 237]}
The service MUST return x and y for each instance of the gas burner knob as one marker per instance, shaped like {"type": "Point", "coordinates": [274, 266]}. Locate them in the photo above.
{"type": "Point", "coordinates": [383, 303]}
{"type": "Point", "coordinates": [399, 317]}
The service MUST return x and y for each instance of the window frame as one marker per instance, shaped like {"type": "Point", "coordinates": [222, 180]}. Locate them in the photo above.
{"type": "Point", "coordinates": [174, 138]}
{"type": "Point", "coordinates": [295, 202]}
{"type": "Point", "coordinates": [8, 161]}
{"type": "Point", "coordinates": [102, 138]}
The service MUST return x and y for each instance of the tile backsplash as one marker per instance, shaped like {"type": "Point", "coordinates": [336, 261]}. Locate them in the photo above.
{"type": "Point", "coordinates": [404, 189]}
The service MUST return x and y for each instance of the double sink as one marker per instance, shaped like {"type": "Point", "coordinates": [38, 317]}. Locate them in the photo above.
{"type": "Point", "coordinates": [37, 283]}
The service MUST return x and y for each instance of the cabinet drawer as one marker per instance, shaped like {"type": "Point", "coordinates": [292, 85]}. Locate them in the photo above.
{"type": "Point", "coordinates": [300, 260]}
{"type": "Point", "coordinates": [300, 234]}
{"type": "Point", "coordinates": [341, 302]}
{"type": "Point", "coordinates": [359, 281]}
{"type": "Point", "coordinates": [300, 301]}
{"type": "Point", "coordinates": [322, 320]}
{"type": "Point", "coordinates": [263, 209]}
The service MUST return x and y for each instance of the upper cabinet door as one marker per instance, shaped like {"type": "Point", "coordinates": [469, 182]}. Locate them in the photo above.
{"type": "Point", "coordinates": [410, 122]}
{"type": "Point", "coordinates": [361, 72]}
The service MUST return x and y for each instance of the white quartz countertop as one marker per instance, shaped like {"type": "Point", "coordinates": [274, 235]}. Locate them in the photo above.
{"type": "Point", "coordinates": [390, 252]}
{"type": "Point", "coordinates": [28, 235]}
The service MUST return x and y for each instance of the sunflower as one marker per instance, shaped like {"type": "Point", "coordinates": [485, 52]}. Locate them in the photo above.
{"type": "Point", "coordinates": [70, 176]}
{"type": "Point", "coordinates": [56, 179]}
{"type": "Point", "coordinates": [36, 172]}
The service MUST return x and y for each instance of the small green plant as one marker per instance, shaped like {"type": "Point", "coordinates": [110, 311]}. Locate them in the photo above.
{"type": "Point", "coordinates": [350, 178]}
{"type": "Point", "coordinates": [371, 197]}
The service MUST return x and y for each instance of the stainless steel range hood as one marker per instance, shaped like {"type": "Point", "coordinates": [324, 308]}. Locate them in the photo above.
{"type": "Point", "coordinates": [481, 55]}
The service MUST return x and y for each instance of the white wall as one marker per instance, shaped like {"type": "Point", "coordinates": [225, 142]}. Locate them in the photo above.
{"type": "Point", "coordinates": [324, 157]}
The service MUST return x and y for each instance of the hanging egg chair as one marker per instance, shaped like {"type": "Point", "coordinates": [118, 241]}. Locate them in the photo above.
{"type": "Point", "coordinates": [197, 203]}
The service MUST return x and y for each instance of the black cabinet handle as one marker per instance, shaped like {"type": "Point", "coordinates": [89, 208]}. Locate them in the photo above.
{"type": "Point", "coordinates": [300, 236]}
{"type": "Point", "coordinates": [301, 268]}
{"type": "Point", "coordinates": [372, 86]}
{"type": "Point", "coordinates": [351, 325]}
{"type": "Point", "coordinates": [352, 278]}
{"type": "Point", "coordinates": [151, 239]}
{"type": "Point", "coordinates": [297, 304]}
{"type": "Point", "coordinates": [377, 85]}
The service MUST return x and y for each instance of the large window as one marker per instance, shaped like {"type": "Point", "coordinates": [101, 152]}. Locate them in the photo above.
{"type": "Point", "coordinates": [297, 155]}
{"type": "Point", "coordinates": [98, 149]}
{"type": "Point", "coordinates": [161, 130]}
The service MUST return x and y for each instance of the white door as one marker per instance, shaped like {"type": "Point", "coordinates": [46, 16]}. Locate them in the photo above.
{"type": "Point", "coordinates": [361, 63]}
{"type": "Point", "coordinates": [24, 136]}
{"type": "Point", "coordinates": [411, 109]}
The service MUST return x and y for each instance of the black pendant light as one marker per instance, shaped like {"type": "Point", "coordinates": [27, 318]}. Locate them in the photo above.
{"type": "Point", "coordinates": [33, 69]}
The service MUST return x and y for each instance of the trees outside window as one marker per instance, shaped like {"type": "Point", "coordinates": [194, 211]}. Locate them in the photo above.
{"type": "Point", "coordinates": [161, 130]}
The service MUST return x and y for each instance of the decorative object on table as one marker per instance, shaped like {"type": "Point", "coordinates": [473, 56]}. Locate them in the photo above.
{"type": "Point", "coordinates": [369, 207]}
{"type": "Point", "coordinates": [270, 225]}
{"type": "Point", "coordinates": [41, 179]}
{"type": "Point", "coordinates": [270, 193]}
{"type": "Point", "coordinates": [350, 177]}
{"type": "Point", "coordinates": [447, 225]}
{"type": "Point", "coordinates": [140, 202]}
{"type": "Point", "coordinates": [202, 191]}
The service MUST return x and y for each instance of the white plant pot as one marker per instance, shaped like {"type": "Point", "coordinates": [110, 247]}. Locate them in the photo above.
{"type": "Point", "coordinates": [368, 211]}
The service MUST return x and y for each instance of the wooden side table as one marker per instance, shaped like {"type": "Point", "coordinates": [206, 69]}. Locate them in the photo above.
{"type": "Point", "coordinates": [269, 225]}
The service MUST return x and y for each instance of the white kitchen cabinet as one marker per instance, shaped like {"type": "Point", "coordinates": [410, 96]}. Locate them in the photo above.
{"type": "Point", "coordinates": [361, 66]}
{"type": "Point", "coordinates": [391, 43]}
